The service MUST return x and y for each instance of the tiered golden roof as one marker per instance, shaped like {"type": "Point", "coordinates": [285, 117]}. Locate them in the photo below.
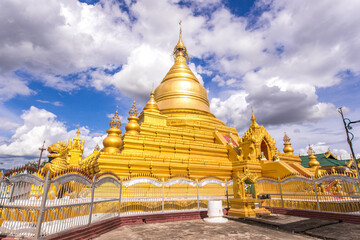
{"type": "Point", "coordinates": [180, 94]}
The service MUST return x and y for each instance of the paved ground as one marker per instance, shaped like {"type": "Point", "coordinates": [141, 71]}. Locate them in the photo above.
{"type": "Point", "coordinates": [317, 228]}
{"type": "Point", "coordinates": [197, 230]}
{"type": "Point", "coordinates": [275, 227]}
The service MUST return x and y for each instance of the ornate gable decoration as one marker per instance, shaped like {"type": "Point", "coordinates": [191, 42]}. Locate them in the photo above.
{"type": "Point", "coordinates": [256, 135]}
{"type": "Point", "coordinates": [242, 176]}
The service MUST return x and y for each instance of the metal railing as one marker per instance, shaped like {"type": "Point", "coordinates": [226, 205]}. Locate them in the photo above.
{"type": "Point", "coordinates": [337, 193]}
{"type": "Point", "coordinates": [34, 207]}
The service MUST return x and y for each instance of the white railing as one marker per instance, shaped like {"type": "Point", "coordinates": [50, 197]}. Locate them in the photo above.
{"type": "Point", "coordinates": [34, 207]}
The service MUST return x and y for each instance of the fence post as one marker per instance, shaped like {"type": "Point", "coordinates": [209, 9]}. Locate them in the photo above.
{"type": "Point", "coordinates": [120, 195]}
{"type": "Point", "coordinates": [227, 193]}
{"type": "Point", "coordinates": [316, 194]}
{"type": "Point", "coordinates": [281, 195]}
{"type": "Point", "coordinates": [11, 192]}
{"type": "Point", "coordinates": [42, 206]}
{"type": "Point", "coordinates": [163, 195]}
{"type": "Point", "coordinates": [197, 193]}
{"type": "Point", "coordinates": [92, 199]}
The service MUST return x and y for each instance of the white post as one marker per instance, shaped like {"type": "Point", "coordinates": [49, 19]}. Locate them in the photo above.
{"type": "Point", "coordinates": [163, 195]}
{"type": "Point", "coordinates": [120, 196]}
{"type": "Point", "coordinates": [197, 193]}
{"type": "Point", "coordinates": [227, 193]}
{"type": "Point", "coordinates": [282, 200]}
{"type": "Point", "coordinates": [92, 199]}
{"type": "Point", "coordinates": [316, 194]}
{"type": "Point", "coordinates": [42, 207]}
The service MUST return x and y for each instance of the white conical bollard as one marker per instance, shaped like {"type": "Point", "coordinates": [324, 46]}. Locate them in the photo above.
{"type": "Point", "coordinates": [215, 212]}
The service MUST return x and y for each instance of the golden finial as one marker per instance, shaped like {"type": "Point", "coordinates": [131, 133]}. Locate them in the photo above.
{"type": "Point", "coordinates": [133, 110]}
{"type": "Point", "coordinates": [113, 142]}
{"type": "Point", "coordinates": [78, 131]}
{"type": "Point", "coordinates": [97, 148]}
{"type": "Point", "coordinates": [115, 121]}
{"type": "Point", "coordinates": [310, 151]}
{"type": "Point", "coordinates": [133, 126]}
{"type": "Point", "coordinates": [287, 145]}
{"type": "Point", "coordinates": [253, 119]}
{"type": "Point", "coordinates": [151, 105]}
{"type": "Point", "coordinates": [286, 138]}
{"type": "Point", "coordinates": [180, 48]}
{"type": "Point", "coordinates": [313, 162]}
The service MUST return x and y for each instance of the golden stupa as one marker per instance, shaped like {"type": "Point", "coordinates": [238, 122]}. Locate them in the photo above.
{"type": "Point", "coordinates": [176, 134]}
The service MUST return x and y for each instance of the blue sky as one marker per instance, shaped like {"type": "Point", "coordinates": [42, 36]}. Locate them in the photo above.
{"type": "Point", "coordinates": [65, 63]}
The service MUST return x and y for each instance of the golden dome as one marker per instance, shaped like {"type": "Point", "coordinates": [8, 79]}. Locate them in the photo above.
{"type": "Point", "coordinates": [151, 105]}
{"type": "Point", "coordinates": [113, 142]}
{"type": "Point", "coordinates": [180, 91]}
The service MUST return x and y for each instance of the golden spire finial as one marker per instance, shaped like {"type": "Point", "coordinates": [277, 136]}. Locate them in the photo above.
{"type": "Point", "coordinates": [151, 105]}
{"type": "Point", "coordinates": [97, 148]}
{"type": "Point", "coordinates": [113, 142]}
{"type": "Point", "coordinates": [133, 110]}
{"type": "Point", "coordinates": [133, 126]}
{"type": "Point", "coordinates": [115, 121]}
{"type": "Point", "coordinates": [180, 48]}
{"type": "Point", "coordinates": [78, 131]}
{"type": "Point", "coordinates": [286, 138]}
{"type": "Point", "coordinates": [287, 145]}
{"type": "Point", "coordinates": [253, 119]}
{"type": "Point", "coordinates": [313, 162]}
{"type": "Point", "coordinates": [310, 151]}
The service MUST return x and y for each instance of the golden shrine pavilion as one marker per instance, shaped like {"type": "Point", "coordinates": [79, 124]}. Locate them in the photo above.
{"type": "Point", "coordinates": [176, 134]}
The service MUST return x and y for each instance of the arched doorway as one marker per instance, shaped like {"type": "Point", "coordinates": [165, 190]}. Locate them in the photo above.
{"type": "Point", "coordinates": [265, 149]}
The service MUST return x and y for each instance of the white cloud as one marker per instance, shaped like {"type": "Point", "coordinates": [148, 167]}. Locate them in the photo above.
{"type": "Point", "coordinates": [55, 103]}
{"type": "Point", "coordinates": [47, 39]}
{"type": "Point", "coordinates": [39, 125]}
{"type": "Point", "coordinates": [234, 110]}
{"type": "Point", "coordinates": [10, 86]}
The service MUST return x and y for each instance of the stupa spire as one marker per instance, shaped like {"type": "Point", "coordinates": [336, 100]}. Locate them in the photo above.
{"type": "Point", "coordinates": [313, 162]}
{"type": "Point", "coordinates": [287, 145]}
{"type": "Point", "coordinates": [113, 142]}
{"type": "Point", "coordinates": [78, 132]}
{"type": "Point", "coordinates": [254, 124]}
{"type": "Point", "coordinates": [180, 48]}
{"type": "Point", "coordinates": [151, 105]}
{"type": "Point", "coordinates": [133, 110]}
{"type": "Point", "coordinates": [133, 127]}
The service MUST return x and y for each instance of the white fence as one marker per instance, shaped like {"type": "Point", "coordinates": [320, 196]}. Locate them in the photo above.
{"type": "Point", "coordinates": [34, 207]}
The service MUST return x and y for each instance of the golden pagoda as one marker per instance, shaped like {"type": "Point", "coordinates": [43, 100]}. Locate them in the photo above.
{"type": "Point", "coordinates": [176, 134]}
